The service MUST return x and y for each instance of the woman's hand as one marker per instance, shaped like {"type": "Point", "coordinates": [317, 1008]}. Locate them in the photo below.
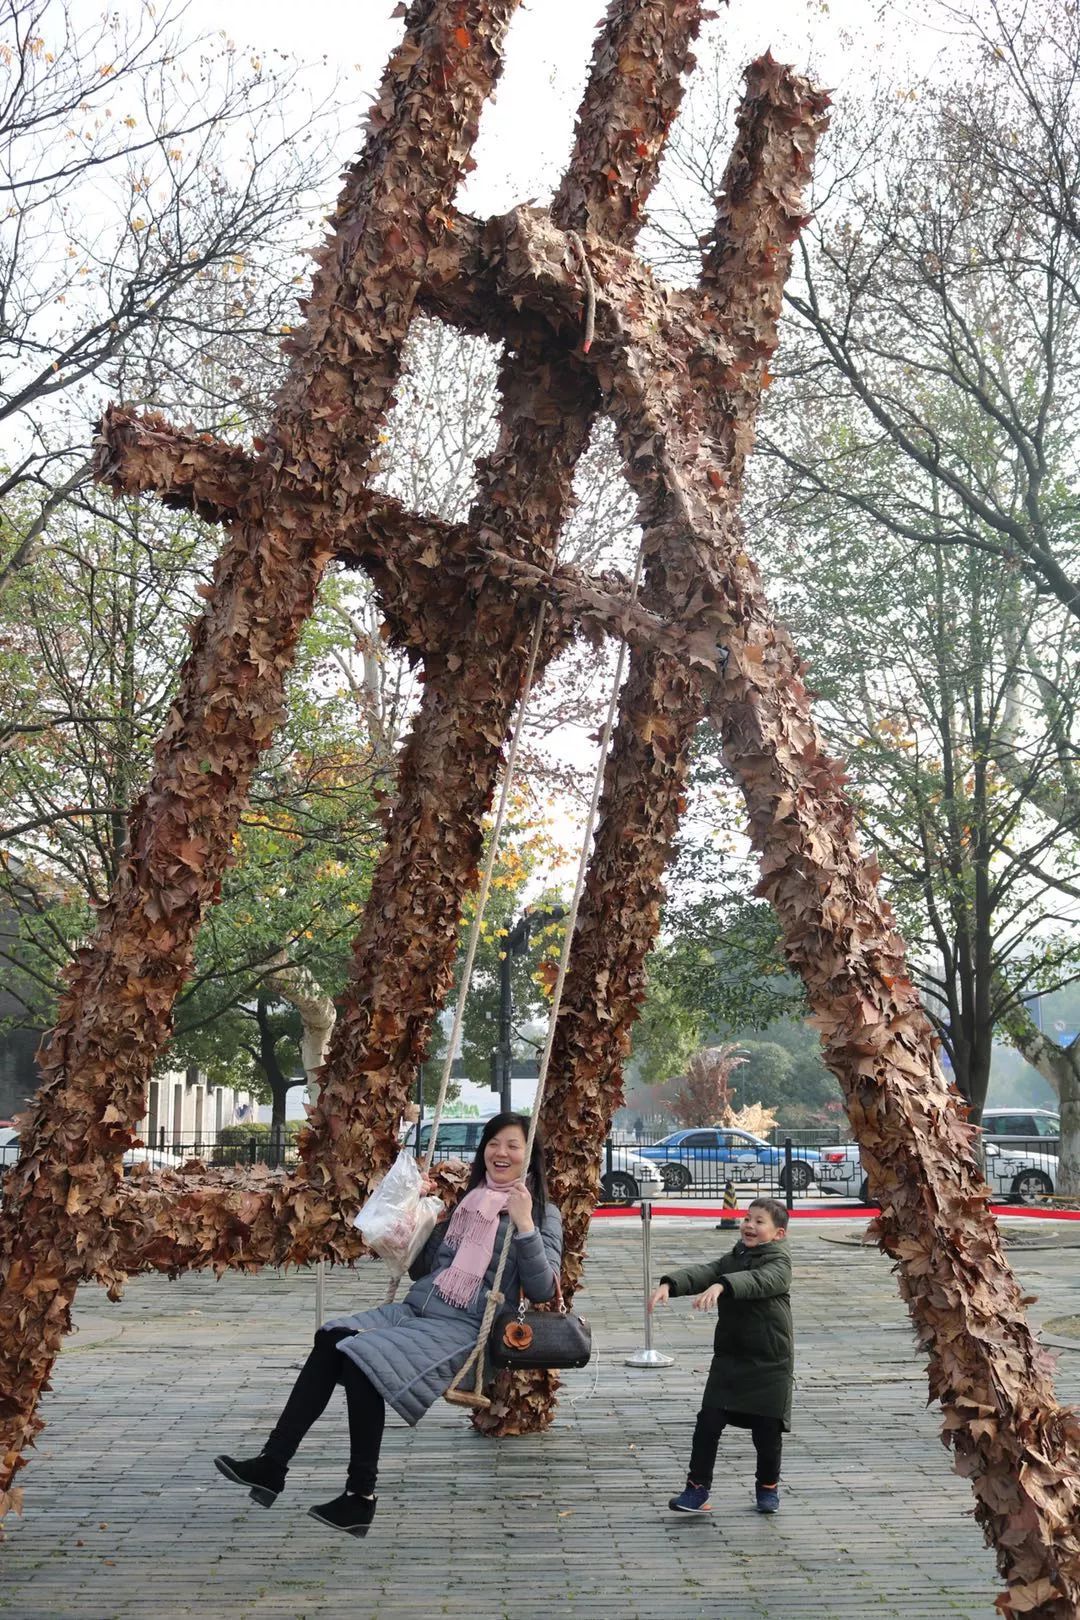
{"type": "Point", "coordinates": [659, 1296]}
{"type": "Point", "coordinates": [429, 1188]}
{"type": "Point", "coordinates": [708, 1299]}
{"type": "Point", "coordinates": [519, 1207]}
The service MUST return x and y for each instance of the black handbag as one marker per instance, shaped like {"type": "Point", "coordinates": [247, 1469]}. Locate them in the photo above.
{"type": "Point", "coordinates": [521, 1337]}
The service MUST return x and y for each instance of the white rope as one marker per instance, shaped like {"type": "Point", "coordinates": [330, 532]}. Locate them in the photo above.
{"type": "Point", "coordinates": [495, 1297]}
{"type": "Point", "coordinates": [587, 1394]}
{"type": "Point", "coordinates": [485, 883]}
{"type": "Point", "coordinates": [481, 903]}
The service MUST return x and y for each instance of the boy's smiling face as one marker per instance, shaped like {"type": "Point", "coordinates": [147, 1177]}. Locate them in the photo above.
{"type": "Point", "coordinates": [758, 1227]}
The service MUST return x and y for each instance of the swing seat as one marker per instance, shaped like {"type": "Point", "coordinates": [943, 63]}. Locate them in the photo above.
{"type": "Point", "coordinates": [464, 1397]}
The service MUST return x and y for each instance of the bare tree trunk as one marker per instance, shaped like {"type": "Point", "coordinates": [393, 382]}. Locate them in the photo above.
{"type": "Point", "coordinates": [276, 1078]}
{"type": "Point", "coordinates": [297, 985]}
{"type": "Point", "coordinates": [1060, 1068]}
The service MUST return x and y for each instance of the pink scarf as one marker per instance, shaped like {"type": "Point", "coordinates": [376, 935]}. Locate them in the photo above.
{"type": "Point", "coordinates": [471, 1232]}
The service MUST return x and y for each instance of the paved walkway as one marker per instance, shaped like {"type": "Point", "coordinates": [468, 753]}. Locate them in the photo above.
{"type": "Point", "coordinates": [125, 1517]}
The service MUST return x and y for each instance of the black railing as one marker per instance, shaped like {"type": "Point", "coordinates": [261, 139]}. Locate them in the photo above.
{"type": "Point", "coordinates": [1015, 1171]}
{"type": "Point", "coordinates": [168, 1153]}
{"type": "Point", "coordinates": [814, 1136]}
{"type": "Point", "coordinates": [258, 1148]}
{"type": "Point", "coordinates": [1021, 1171]}
{"type": "Point", "coordinates": [787, 1170]}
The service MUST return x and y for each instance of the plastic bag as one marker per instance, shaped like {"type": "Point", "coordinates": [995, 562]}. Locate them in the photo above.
{"type": "Point", "coordinates": [397, 1220]}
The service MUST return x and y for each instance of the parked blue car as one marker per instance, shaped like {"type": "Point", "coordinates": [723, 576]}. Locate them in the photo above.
{"type": "Point", "coordinates": [711, 1157]}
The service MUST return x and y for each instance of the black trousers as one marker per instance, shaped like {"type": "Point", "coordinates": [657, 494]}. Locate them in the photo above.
{"type": "Point", "coordinates": [325, 1368]}
{"type": "Point", "coordinates": [767, 1434]}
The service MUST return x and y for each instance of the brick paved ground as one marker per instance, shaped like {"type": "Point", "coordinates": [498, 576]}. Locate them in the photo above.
{"type": "Point", "coordinates": [126, 1518]}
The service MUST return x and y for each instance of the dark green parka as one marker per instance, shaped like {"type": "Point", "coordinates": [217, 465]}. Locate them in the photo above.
{"type": "Point", "coordinates": [754, 1347]}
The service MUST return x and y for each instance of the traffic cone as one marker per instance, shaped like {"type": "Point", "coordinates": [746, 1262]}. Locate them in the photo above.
{"type": "Point", "coordinates": [729, 1223]}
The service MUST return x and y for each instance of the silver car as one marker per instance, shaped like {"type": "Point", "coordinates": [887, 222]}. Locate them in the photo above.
{"type": "Point", "coordinates": [628, 1177]}
{"type": "Point", "coordinates": [1010, 1175]}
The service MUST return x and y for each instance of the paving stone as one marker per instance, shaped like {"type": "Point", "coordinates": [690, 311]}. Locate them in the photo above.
{"type": "Point", "coordinates": [572, 1523]}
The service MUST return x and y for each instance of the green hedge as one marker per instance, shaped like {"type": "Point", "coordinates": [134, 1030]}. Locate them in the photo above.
{"type": "Point", "coordinates": [241, 1135]}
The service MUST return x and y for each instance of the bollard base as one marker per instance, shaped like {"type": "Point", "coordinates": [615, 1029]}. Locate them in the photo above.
{"type": "Point", "coordinates": [649, 1358]}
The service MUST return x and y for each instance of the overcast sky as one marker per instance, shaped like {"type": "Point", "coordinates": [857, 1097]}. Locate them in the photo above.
{"type": "Point", "coordinates": [525, 135]}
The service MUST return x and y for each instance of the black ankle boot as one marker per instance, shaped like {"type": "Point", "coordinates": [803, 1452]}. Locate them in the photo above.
{"type": "Point", "coordinates": [263, 1475]}
{"type": "Point", "coordinates": [353, 1514]}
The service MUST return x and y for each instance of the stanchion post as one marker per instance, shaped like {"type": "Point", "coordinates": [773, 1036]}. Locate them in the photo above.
{"type": "Point", "coordinates": [419, 1108]}
{"type": "Point", "coordinates": [788, 1199]}
{"type": "Point", "coordinates": [647, 1357]}
{"type": "Point", "coordinates": [320, 1265]}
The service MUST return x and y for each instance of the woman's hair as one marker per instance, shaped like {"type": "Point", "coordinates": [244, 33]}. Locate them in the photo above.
{"type": "Point", "coordinates": [536, 1172]}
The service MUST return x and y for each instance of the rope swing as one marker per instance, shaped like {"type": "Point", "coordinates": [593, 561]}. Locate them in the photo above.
{"type": "Point", "coordinates": [455, 1393]}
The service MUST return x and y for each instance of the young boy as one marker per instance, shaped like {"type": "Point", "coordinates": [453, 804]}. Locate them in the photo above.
{"type": "Point", "coordinates": [749, 1382]}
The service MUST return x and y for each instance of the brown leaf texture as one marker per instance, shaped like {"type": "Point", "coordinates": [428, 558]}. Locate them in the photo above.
{"type": "Point", "coordinates": [681, 373]}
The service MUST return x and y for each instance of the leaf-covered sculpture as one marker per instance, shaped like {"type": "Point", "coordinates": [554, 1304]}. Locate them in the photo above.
{"type": "Point", "coordinates": [681, 373]}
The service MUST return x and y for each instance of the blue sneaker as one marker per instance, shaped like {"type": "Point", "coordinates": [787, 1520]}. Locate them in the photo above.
{"type": "Point", "coordinates": [695, 1499]}
{"type": "Point", "coordinates": [768, 1498]}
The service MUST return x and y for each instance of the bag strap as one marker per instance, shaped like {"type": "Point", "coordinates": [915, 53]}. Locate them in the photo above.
{"type": "Point", "coordinates": [557, 1296]}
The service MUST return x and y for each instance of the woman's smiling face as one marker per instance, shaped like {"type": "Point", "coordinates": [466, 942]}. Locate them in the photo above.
{"type": "Point", "coordinates": [504, 1156]}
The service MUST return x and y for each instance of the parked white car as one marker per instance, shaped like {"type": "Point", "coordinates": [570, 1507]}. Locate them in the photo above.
{"type": "Point", "coordinates": [156, 1158]}
{"type": "Point", "coordinates": [840, 1171]}
{"type": "Point", "coordinates": [629, 1177]}
{"type": "Point", "coordinates": [1020, 1175]}
{"type": "Point", "coordinates": [1032, 1129]}
{"type": "Point", "coordinates": [1009, 1175]}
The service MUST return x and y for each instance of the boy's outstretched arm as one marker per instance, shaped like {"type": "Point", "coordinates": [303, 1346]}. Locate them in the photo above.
{"type": "Point", "coordinates": [692, 1279]}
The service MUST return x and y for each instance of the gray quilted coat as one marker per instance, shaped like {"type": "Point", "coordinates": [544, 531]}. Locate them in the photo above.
{"type": "Point", "coordinates": [411, 1349]}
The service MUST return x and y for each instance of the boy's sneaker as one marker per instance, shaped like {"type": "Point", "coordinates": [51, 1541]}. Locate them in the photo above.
{"type": "Point", "coordinates": [768, 1498]}
{"type": "Point", "coordinates": [694, 1499]}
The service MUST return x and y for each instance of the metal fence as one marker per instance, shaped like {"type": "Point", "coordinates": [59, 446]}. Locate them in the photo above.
{"type": "Point", "coordinates": [169, 1153]}
{"type": "Point", "coordinates": [701, 1165]}
{"type": "Point", "coordinates": [256, 1148]}
{"type": "Point", "coordinates": [794, 1166]}
{"type": "Point", "coordinates": [1021, 1170]}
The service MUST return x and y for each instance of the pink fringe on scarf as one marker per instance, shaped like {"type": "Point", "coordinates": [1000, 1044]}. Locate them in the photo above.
{"type": "Point", "coordinates": [471, 1234]}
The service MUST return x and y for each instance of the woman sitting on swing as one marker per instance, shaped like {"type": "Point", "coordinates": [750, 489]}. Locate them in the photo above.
{"type": "Point", "coordinates": [408, 1352]}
